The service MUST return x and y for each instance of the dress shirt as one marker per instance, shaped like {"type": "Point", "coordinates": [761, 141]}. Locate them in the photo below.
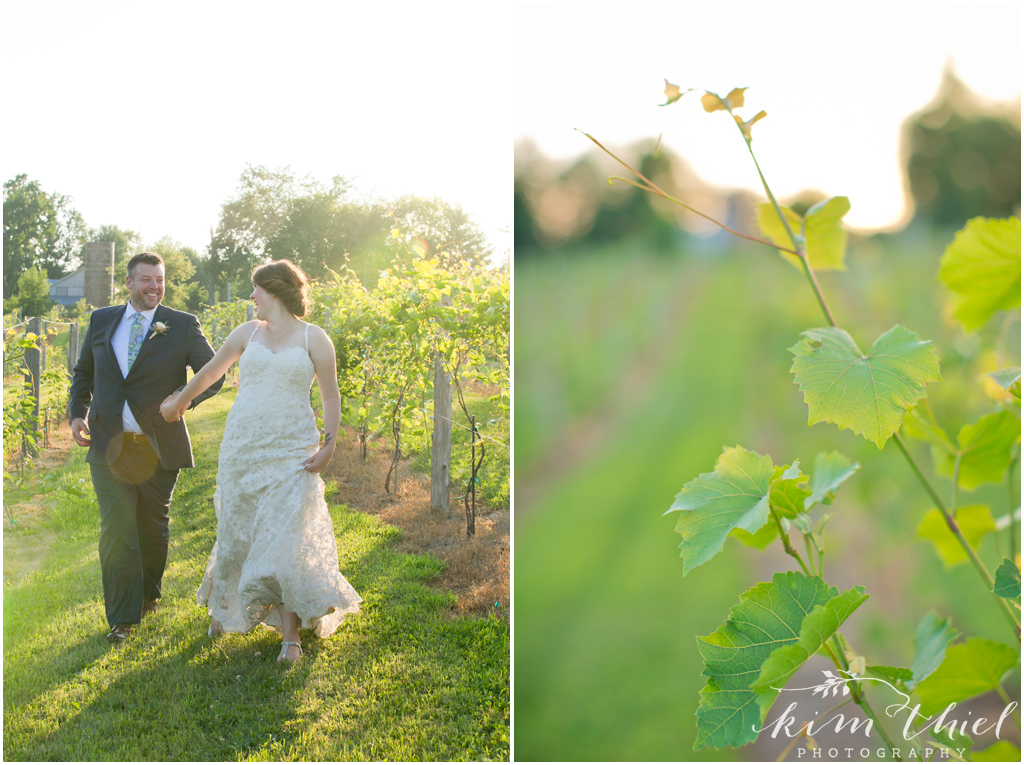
{"type": "Point", "coordinates": [120, 343]}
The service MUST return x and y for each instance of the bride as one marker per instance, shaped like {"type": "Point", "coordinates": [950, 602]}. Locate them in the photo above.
{"type": "Point", "coordinates": [275, 560]}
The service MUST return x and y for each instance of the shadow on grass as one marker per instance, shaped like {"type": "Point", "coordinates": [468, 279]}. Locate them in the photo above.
{"type": "Point", "coordinates": [402, 680]}
{"type": "Point", "coordinates": [398, 681]}
{"type": "Point", "coordinates": [171, 699]}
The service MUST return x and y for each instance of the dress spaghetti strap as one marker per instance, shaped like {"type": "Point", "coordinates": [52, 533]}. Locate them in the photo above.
{"type": "Point", "coordinates": [307, 337]}
{"type": "Point", "coordinates": [254, 332]}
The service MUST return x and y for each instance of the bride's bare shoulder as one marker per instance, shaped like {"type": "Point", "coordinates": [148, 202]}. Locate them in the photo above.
{"type": "Point", "coordinates": [318, 332]}
{"type": "Point", "coordinates": [247, 328]}
{"type": "Point", "coordinates": [320, 344]}
{"type": "Point", "coordinates": [241, 334]}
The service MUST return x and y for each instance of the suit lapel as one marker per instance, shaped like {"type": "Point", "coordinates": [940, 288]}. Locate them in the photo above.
{"type": "Point", "coordinates": [152, 338]}
{"type": "Point", "coordinates": [115, 321]}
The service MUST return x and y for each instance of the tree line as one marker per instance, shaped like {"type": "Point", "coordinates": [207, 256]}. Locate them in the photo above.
{"type": "Point", "coordinates": [960, 155]}
{"type": "Point", "coordinates": [273, 214]}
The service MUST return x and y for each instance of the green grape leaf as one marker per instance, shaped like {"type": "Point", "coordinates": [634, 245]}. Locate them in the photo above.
{"type": "Point", "coordinates": [1008, 378]}
{"type": "Point", "coordinates": [985, 450]}
{"type": "Point", "coordinates": [975, 521]}
{"type": "Point", "coordinates": [931, 637]}
{"type": "Point", "coordinates": [713, 504]}
{"type": "Point", "coordinates": [1007, 580]}
{"type": "Point", "coordinates": [821, 228]}
{"type": "Point", "coordinates": [830, 470]}
{"type": "Point", "coordinates": [802, 523]}
{"type": "Point", "coordinates": [770, 617]}
{"type": "Point", "coordinates": [816, 628]}
{"type": "Point", "coordinates": [857, 667]}
{"type": "Point", "coordinates": [823, 521]}
{"type": "Point", "coordinates": [1001, 751]}
{"type": "Point", "coordinates": [922, 425]}
{"type": "Point", "coordinates": [774, 231]}
{"type": "Point", "coordinates": [787, 493]}
{"type": "Point", "coordinates": [981, 267]}
{"type": "Point", "coordinates": [952, 738]}
{"type": "Point", "coordinates": [845, 649]}
{"type": "Point", "coordinates": [897, 676]}
{"type": "Point", "coordinates": [868, 393]}
{"type": "Point", "coordinates": [760, 540]}
{"type": "Point", "coordinates": [969, 669]}
{"type": "Point", "coordinates": [826, 237]}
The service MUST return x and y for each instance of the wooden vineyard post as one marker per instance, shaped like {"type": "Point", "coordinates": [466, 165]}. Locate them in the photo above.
{"type": "Point", "coordinates": [441, 439]}
{"type": "Point", "coordinates": [33, 359]}
{"type": "Point", "coordinates": [73, 349]}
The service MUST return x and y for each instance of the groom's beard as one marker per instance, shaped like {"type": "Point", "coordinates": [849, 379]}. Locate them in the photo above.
{"type": "Point", "coordinates": [147, 301]}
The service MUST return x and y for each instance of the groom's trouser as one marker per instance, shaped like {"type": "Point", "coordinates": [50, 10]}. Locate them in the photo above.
{"type": "Point", "coordinates": [134, 496]}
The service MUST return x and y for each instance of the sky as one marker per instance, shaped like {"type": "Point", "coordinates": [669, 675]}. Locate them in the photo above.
{"type": "Point", "coordinates": [146, 114]}
{"type": "Point", "coordinates": [146, 117]}
{"type": "Point", "coordinates": [837, 81]}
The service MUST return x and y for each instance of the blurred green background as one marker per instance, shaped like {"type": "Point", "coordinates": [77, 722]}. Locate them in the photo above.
{"type": "Point", "coordinates": [640, 352]}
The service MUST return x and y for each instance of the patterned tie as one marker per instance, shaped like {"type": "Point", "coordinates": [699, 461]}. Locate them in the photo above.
{"type": "Point", "coordinates": [134, 338]}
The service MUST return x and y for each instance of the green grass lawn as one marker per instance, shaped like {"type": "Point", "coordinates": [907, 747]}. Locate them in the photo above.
{"type": "Point", "coordinates": [406, 679]}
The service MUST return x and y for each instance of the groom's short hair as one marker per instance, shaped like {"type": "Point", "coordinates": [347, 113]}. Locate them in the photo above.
{"type": "Point", "coordinates": [149, 258]}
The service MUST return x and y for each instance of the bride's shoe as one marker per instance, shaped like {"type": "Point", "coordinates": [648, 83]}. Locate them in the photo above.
{"type": "Point", "coordinates": [215, 628]}
{"type": "Point", "coordinates": [284, 651]}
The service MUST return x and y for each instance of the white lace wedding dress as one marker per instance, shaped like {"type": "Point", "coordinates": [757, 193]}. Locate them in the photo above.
{"type": "Point", "coordinates": [275, 540]}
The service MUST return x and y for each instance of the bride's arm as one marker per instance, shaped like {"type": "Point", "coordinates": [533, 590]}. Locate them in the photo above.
{"type": "Point", "coordinates": [174, 405]}
{"type": "Point", "coordinates": [325, 363]}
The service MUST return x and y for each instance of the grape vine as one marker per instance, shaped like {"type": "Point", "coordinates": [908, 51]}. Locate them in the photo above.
{"type": "Point", "coordinates": [882, 395]}
{"type": "Point", "coordinates": [386, 339]}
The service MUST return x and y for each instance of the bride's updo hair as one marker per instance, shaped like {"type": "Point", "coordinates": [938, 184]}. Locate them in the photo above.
{"type": "Point", "coordinates": [287, 282]}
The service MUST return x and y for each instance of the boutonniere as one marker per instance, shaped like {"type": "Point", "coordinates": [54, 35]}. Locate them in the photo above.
{"type": "Point", "coordinates": [158, 328]}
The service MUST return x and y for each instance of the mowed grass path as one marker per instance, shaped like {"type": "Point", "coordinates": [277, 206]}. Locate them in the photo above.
{"type": "Point", "coordinates": [406, 679]}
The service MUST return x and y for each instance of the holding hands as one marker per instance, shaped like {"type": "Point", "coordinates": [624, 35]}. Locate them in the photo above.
{"type": "Point", "coordinates": [173, 407]}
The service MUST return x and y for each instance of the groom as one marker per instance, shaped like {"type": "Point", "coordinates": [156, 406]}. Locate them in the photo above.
{"type": "Point", "coordinates": [133, 357]}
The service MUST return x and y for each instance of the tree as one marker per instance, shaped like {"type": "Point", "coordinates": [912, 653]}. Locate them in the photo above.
{"type": "Point", "coordinates": [313, 234]}
{"type": "Point", "coordinates": [249, 221]}
{"type": "Point", "coordinates": [40, 229]}
{"type": "Point", "coordinates": [370, 247]}
{"type": "Point", "coordinates": [32, 293]}
{"type": "Point", "coordinates": [962, 159]}
{"type": "Point", "coordinates": [439, 227]}
{"type": "Point", "coordinates": [574, 205]}
{"type": "Point", "coordinates": [276, 215]}
{"type": "Point", "coordinates": [198, 288]}
{"type": "Point", "coordinates": [524, 234]}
